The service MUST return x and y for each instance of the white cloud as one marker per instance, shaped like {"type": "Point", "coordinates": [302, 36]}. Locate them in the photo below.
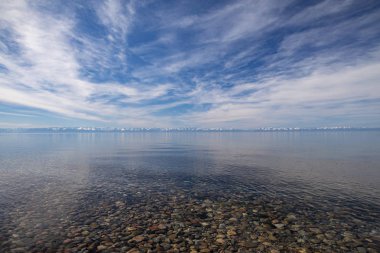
{"type": "Point", "coordinates": [364, 27]}
{"type": "Point", "coordinates": [56, 65]}
{"type": "Point", "coordinates": [318, 11]}
{"type": "Point", "coordinates": [46, 73]}
{"type": "Point", "coordinates": [324, 93]}
{"type": "Point", "coordinates": [116, 15]}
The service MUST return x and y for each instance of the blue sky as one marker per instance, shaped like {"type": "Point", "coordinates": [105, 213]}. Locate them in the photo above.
{"type": "Point", "coordinates": [240, 64]}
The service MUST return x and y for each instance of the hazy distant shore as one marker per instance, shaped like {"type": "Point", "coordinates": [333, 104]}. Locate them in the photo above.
{"type": "Point", "coordinates": [116, 130]}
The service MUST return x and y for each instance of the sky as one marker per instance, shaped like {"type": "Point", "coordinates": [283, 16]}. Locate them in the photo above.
{"type": "Point", "coordinates": [228, 64]}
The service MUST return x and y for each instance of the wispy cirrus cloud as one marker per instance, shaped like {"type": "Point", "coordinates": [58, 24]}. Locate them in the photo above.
{"type": "Point", "coordinates": [225, 64]}
{"type": "Point", "coordinates": [46, 72]}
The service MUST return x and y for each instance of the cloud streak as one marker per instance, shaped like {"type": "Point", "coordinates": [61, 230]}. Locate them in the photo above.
{"type": "Point", "coordinates": [234, 64]}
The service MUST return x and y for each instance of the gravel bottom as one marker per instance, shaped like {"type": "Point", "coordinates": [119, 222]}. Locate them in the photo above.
{"type": "Point", "coordinates": [153, 214]}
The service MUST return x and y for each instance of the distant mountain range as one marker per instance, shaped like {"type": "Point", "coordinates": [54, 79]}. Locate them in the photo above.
{"type": "Point", "coordinates": [108, 129]}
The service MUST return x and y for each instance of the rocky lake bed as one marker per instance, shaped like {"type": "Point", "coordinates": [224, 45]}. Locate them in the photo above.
{"type": "Point", "coordinates": [160, 214]}
{"type": "Point", "coordinates": [190, 192]}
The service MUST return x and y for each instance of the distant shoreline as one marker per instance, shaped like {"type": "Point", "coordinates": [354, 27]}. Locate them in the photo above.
{"type": "Point", "coordinates": [164, 130]}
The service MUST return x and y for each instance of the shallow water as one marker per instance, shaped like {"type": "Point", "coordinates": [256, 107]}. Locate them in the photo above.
{"type": "Point", "coordinates": [182, 192]}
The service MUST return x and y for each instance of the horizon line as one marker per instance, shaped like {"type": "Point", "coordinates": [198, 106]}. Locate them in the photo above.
{"type": "Point", "coordinates": [180, 129]}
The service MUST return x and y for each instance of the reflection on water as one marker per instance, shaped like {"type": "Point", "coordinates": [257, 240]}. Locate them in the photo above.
{"type": "Point", "coordinates": [205, 192]}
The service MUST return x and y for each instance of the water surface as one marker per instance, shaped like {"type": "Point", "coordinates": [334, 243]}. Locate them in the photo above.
{"type": "Point", "coordinates": [206, 192]}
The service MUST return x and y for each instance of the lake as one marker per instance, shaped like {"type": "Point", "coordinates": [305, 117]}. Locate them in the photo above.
{"type": "Point", "coordinates": [312, 191]}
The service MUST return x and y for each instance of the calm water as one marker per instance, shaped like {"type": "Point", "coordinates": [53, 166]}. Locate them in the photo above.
{"type": "Point", "coordinates": [216, 192]}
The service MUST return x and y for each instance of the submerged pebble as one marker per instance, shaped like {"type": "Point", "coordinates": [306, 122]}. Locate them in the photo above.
{"type": "Point", "coordinates": [149, 214]}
